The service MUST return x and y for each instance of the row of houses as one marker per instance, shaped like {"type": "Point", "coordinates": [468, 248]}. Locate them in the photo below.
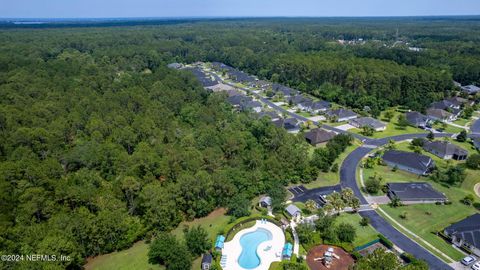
{"type": "Point", "coordinates": [469, 89]}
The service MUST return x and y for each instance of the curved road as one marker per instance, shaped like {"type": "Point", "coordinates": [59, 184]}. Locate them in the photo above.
{"type": "Point", "coordinates": [348, 178]}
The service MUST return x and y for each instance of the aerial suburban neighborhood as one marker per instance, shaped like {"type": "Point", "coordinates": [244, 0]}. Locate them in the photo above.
{"type": "Point", "coordinates": [411, 158]}
{"type": "Point", "coordinates": [240, 135]}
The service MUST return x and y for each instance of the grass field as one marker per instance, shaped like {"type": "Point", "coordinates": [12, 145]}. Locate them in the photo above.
{"type": "Point", "coordinates": [136, 256]}
{"type": "Point", "coordinates": [132, 258]}
{"type": "Point", "coordinates": [364, 234]}
{"type": "Point", "coordinates": [462, 121]}
{"type": "Point", "coordinates": [427, 219]}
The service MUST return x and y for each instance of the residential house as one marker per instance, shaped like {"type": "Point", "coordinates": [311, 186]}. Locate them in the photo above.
{"type": "Point", "coordinates": [445, 150]}
{"type": "Point", "coordinates": [341, 115]}
{"type": "Point", "coordinates": [265, 202]}
{"type": "Point", "coordinates": [292, 125]}
{"type": "Point", "coordinates": [408, 161]}
{"type": "Point", "coordinates": [466, 233]}
{"type": "Point", "coordinates": [296, 100]}
{"type": "Point", "coordinates": [317, 136]}
{"type": "Point", "coordinates": [368, 122]}
{"type": "Point", "coordinates": [238, 100]}
{"type": "Point", "coordinates": [471, 89]}
{"type": "Point", "coordinates": [459, 101]}
{"type": "Point", "coordinates": [415, 192]}
{"type": "Point", "coordinates": [206, 261]}
{"type": "Point", "coordinates": [287, 251]}
{"type": "Point", "coordinates": [175, 65]}
{"type": "Point", "coordinates": [283, 90]}
{"type": "Point", "coordinates": [440, 115]}
{"type": "Point", "coordinates": [311, 106]}
{"type": "Point", "coordinates": [449, 105]}
{"type": "Point", "coordinates": [219, 242]}
{"type": "Point", "coordinates": [294, 212]}
{"type": "Point", "coordinates": [204, 79]}
{"type": "Point", "coordinates": [252, 105]}
{"type": "Point", "coordinates": [417, 119]}
{"type": "Point", "coordinates": [272, 115]}
{"type": "Point", "coordinates": [320, 106]}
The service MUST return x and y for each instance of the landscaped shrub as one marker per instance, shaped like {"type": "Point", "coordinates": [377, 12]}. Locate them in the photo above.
{"type": "Point", "coordinates": [385, 241]}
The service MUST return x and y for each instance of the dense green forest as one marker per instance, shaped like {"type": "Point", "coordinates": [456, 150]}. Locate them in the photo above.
{"type": "Point", "coordinates": [101, 144]}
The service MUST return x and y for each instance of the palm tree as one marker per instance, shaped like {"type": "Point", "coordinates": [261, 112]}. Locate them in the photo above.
{"type": "Point", "coordinates": [311, 205]}
{"type": "Point", "coordinates": [335, 199]}
{"type": "Point", "coordinates": [347, 195]}
{"type": "Point", "coordinates": [355, 204]}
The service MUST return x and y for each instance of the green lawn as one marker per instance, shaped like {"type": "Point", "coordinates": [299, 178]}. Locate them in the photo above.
{"type": "Point", "coordinates": [426, 219]}
{"type": "Point", "coordinates": [136, 256]}
{"type": "Point", "coordinates": [132, 258]}
{"type": "Point", "coordinates": [462, 121]}
{"type": "Point", "coordinates": [448, 128]}
{"type": "Point", "coordinates": [364, 234]}
{"type": "Point", "coordinates": [392, 128]}
{"type": "Point", "coordinates": [331, 178]}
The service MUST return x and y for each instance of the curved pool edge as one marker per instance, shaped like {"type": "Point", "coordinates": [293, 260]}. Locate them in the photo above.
{"type": "Point", "coordinates": [232, 249]}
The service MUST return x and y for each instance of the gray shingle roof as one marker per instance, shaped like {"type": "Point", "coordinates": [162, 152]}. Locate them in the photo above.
{"type": "Point", "coordinates": [415, 191]}
{"type": "Point", "coordinates": [341, 113]}
{"type": "Point", "coordinates": [416, 118]}
{"type": "Point", "coordinates": [292, 209]}
{"type": "Point", "coordinates": [443, 148]}
{"type": "Point", "coordinates": [408, 159]}
{"type": "Point", "coordinates": [468, 229]}
{"type": "Point", "coordinates": [368, 121]}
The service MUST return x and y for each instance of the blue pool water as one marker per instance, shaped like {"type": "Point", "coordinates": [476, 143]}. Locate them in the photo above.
{"type": "Point", "coordinates": [249, 259]}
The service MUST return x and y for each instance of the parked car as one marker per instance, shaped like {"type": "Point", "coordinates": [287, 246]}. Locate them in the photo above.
{"type": "Point", "coordinates": [468, 260]}
{"type": "Point", "coordinates": [476, 266]}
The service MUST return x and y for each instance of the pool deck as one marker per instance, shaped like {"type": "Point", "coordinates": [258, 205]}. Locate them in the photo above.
{"type": "Point", "coordinates": [232, 249]}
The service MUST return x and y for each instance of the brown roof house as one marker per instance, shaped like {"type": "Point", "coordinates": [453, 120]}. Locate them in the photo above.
{"type": "Point", "coordinates": [317, 136]}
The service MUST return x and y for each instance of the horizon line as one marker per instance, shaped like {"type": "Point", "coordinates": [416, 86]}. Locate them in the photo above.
{"type": "Point", "coordinates": [231, 17]}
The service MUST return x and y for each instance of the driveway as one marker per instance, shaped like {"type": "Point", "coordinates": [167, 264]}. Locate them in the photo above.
{"type": "Point", "coordinates": [345, 127]}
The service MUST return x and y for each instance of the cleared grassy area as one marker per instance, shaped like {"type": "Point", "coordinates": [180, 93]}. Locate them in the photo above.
{"type": "Point", "coordinates": [365, 234]}
{"type": "Point", "coordinates": [132, 258]}
{"type": "Point", "coordinates": [136, 256]}
{"type": "Point", "coordinates": [392, 129]}
{"type": "Point", "coordinates": [426, 219]}
{"type": "Point", "coordinates": [462, 121]}
{"type": "Point", "coordinates": [213, 224]}
{"type": "Point", "coordinates": [332, 178]}
{"type": "Point", "coordinates": [447, 128]}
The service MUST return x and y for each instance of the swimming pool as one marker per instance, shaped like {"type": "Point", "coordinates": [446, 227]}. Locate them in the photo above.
{"type": "Point", "coordinates": [249, 258]}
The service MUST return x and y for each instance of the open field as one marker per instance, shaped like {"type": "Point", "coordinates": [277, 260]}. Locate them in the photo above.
{"type": "Point", "coordinates": [132, 258]}
{"type": "Point", "coordinates": [136, 256]}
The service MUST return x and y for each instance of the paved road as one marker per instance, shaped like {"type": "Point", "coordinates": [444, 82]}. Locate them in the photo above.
{"type": "Point", "coordinates": [348, 179]}
{"type": "Point", "coordinates": [403, 242]}
{"type": "Point", "coordinates": [476, 127]}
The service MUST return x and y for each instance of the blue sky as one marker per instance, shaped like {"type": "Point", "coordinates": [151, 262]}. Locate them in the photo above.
{"type": "Point", "coordinates": [232, 8]}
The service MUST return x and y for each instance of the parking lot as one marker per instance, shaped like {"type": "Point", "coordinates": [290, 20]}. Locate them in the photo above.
{"type": "Point", "coordinates": [302, 194]}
